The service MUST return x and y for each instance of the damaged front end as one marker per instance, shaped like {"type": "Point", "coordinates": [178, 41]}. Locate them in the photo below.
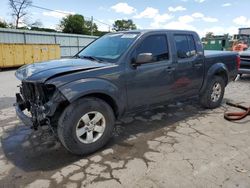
{"type": "Point", "coordinates": [37, 103]}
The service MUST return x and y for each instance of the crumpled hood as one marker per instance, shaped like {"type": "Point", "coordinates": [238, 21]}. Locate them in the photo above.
{"type": "Point", "coordinates": [40, 72]}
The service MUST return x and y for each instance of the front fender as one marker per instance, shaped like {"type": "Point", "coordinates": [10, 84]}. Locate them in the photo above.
{"type": "Point", "coordinates": [77, 89]}
{"type": "Point", "coordinates": [216, 69]}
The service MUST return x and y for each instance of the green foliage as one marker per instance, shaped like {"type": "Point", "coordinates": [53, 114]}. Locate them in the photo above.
{"type": "Point", "coordinates": [42, 29]}
{"type": "Point", "coordinates": [78, 25]}
{"type": "Point", "coordinates": [3, 24]}
{"type": "Point", "coordinates": [23, 28]}
{"type": "Point", "coordinates": [209, 35]}
{"type": "Point", "coordinates": [37, 23]}
{"type": "Point", "coordinates": [87, 28]}
{"type": "Point", "coordinates": [70, 24]}
{"type": "Point", "coordinates": [100, 33]}
{"type": "Point", "coordinates": [37, 26]}
{"type": "Point", "coordinates": [73, 24]}
{"type": "Point", "coordinates": [124, 25]}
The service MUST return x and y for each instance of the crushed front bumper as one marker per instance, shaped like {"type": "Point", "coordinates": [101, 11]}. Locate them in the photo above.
{"type": "Point", "coordinates": [20, 107]}
{"type": "Point", "coordinates": [37, 115]}
{"type": "Point", "coordinates": [22, 116]}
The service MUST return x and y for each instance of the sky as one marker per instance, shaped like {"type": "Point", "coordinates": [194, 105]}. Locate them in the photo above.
{"type": "Point", "coordinates": [202, 16]}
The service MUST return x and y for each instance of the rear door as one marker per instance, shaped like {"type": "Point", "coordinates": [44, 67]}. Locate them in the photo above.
{"type": "Point", "coordinates": [189, 65]}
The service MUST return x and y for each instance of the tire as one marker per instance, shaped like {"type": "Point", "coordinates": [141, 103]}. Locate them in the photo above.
{"type": "Point", "coordinates": [76, 117]}
{"type": "Point", "coordinates": [211, 99]}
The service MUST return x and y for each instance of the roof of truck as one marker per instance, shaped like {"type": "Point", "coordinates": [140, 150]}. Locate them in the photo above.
{"type": "Point", "coordinates": [156, 30]}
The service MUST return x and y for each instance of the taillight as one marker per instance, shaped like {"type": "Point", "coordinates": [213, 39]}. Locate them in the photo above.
{"type": "Point", "coordinates": [238, 62]}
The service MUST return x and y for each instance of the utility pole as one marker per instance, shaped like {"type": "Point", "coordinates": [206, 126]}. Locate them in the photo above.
{"type": "Point", "coordinates": [91, 28]}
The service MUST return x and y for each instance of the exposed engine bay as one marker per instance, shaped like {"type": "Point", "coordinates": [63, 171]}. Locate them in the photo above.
{"type": "Point", "coordinates": [40, 100]}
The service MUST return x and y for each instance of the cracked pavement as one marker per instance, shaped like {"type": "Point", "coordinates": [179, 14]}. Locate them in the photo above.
{"type": "Point", "coordinates": [179, 145]}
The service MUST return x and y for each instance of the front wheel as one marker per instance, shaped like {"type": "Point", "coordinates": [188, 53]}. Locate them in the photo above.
{"type": "Point", "coordinates": [86, 125]}
{"type": "Point", "coordinates": [213, 95]}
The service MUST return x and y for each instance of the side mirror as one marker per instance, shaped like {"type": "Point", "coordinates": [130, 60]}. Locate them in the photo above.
{"type": "Point", "coordinates": [143, 58]}
{"type": "Point", "coordinates": [181, 54]}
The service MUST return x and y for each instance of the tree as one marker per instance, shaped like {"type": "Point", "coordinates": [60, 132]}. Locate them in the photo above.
{"type": "Point", "coordinates": [42, 29]}
{"type": "Point", "coordinates": [3, 24]}
{"type": "Point", "coordinates": [19, 9]}
{"type": "Point", "coordinates": [101, 33]}
{"type": "Point", "coordinates": [78, 25]}
{"type": "Point", "coordinates": [73, 24]}
{"type": "Point", "coordinates": [209, 35]}
{"type": "Point", "coordinates": [37, 24]}
{"type": "Point", "coordinates": [88, 26]}
{"type": "Point", "coordinates": [124, 25]}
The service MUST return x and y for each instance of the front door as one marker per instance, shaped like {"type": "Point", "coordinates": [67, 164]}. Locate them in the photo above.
{"type": "Point", "coordinates": [149, 83]}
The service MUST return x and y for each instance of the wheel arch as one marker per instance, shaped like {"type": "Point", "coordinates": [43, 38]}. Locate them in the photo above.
{"type": "Point", "coordinates": [98, 88]}
{"type": "Point", "coordinates": [218, 69]}
{"type": "Point", "coordinates": [108, 99]}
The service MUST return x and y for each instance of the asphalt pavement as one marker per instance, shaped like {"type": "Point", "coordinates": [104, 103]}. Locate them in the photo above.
{"type": "Point", "coordinates": [179, 145]}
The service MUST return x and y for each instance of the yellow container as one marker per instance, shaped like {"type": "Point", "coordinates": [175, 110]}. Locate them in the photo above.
{"type": "Point", "coordinates": [14, 55]}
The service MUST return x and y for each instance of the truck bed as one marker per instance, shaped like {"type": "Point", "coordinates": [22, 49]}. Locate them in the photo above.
{"type": "Point", "coordinates": [227, 58]}
{"type": "Point", "coordinates": [214, 53]}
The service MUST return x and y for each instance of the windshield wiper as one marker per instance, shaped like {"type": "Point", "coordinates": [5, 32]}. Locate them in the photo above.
{"type": "Point", "coordinates": [91, 58]}
{"type": "Point", "coordinates": [77, 56]}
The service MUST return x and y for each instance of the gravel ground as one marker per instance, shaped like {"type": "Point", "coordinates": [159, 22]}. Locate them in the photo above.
{"type": "Point", "coordinates": [179, 145]}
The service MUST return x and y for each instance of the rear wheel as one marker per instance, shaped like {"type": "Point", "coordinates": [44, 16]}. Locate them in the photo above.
{"type": "Point", "coordinates": [86, 125]}
{"type": "Point", "coordinates": [213, 95]}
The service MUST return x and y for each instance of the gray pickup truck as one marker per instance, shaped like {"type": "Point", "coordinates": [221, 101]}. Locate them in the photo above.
{"type": "Point", "coordinates": [119, 73]}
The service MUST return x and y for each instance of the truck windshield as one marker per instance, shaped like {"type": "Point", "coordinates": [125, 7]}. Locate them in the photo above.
{"type": "Point", "coordinates": [109, 47]}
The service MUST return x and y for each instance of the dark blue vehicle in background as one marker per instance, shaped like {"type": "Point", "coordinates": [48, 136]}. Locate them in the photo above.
{"type": "Point", "coordinates": [119, 73]}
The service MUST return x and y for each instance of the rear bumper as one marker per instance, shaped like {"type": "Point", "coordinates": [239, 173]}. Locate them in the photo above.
{"type": "Point", "coordinates": [23, 117]}
{"type": "Point", "coordinates": [244, 67]}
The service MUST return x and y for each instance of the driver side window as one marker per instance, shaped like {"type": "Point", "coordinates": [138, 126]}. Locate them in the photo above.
{"type": "Point", "coordinates": [155, 44]}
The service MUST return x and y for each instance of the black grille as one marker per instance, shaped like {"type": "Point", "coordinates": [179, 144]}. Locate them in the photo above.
{"type": "Point", "coordinates": [28, 91]}
{"type": "Point", "coordinates": [245, 66]}
{"type": "Point", "coordinates": [245, 58]}
{"type": "Point", "coordinates": [36, 93]}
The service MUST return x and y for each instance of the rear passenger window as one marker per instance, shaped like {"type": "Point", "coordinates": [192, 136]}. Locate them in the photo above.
{"type": "Point", "coordinates": [192, 46]}
{"type": "Point", "coordinates": [185, 46]}
{"type": "Point", "coordinates": [155, 44]}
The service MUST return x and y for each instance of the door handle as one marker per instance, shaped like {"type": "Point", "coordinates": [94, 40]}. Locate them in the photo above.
{"type": "Point", "coordinates": [197, 65]}
{"type": "Point", "coordinates": [169, 69]}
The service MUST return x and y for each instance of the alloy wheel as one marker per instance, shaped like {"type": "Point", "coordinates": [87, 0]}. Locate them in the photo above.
{"type": "Point", "coordinates": [90, 127]}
